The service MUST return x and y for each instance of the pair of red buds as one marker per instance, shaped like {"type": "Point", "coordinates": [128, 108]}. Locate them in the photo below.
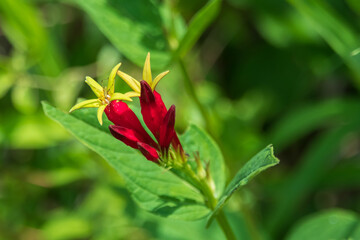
{"type": "Point", "coordinates": [157, 118]}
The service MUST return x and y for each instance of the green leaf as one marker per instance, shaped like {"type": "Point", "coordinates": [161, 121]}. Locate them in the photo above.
{"type": "Point", "coordinates": [25, 30]}
{"type": "Point", "coordinates": [315, 163]}
{"type": "Point", "coordinates": [195, 140]}
{"type": "Point", "coordinates": [25, 99]}
{"type": "Point", "coordinates": [335, 31]}
{"type": "Point", "coordinates": [76, 228]}
{"type": "Point", "coordinates": [198, 25]}
{"type": "Point", "coordinates": [133, 27]}
{"type": "Point", "coordinates": [301, 121]}
{"type": "Point", "coordinates": [355, 5]}
{"type": "Point", "coordinates": [260, 162]}
{"type": "Point", "coordinates": [153, 188]}
{"type": "Point", "coordinates": [331, 224]}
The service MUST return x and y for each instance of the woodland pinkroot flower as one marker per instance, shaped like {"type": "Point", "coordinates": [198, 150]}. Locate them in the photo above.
{"type": "Point", "coordinates": [127, 127]}
{"type": "Point", "coordinates": [153, 108]}
{"type": "Point", "coordinates": [129, 130]}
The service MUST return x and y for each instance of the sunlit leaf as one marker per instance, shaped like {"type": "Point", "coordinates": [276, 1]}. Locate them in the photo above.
{"type": "Point", "coordinates": [24, 29]}
{"type": "Point", "coordinates": [133, 27]}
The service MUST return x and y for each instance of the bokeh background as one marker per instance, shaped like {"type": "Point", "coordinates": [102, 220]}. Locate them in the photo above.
{"type": "Point", "coordinates": [280, 72]}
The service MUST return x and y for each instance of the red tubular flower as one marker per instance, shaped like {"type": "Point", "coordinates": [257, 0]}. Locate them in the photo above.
{"type": "Point", "coordinates": [161, 122]}
{"type": "Point", "coordinates": [126, 135]}
{"type": "Point", "coordinates": [153, 109]}
{"type": "Point", "coordinates": [129, 130]}
{"type": "Point", "coordinates": [157, 118]}
{"type": "Point", "coordinates": [121, 115]}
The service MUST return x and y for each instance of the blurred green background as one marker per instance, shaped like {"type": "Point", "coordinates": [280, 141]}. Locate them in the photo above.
{"type": "Point", "coordinates": [280, 72]}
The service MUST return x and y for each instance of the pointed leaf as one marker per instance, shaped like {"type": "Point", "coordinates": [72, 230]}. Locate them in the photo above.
{"type": "Point", "coordinates": [260, 162]}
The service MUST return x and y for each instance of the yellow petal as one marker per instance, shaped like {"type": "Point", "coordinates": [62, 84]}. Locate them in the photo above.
{"type": "Point", "coordinates": [111, 82]}
{"type": "Point", "coordinates": [86, 104]}
{"type": "Point", "coordinates": [147, 70]}
{"type": "Point", "coordinates": [132, 82]}
{"type": "Point", "coordinates": [158, 78]}
{"type": "Point", "coordinates": [120, 96]}
{"type": "Point", "coordinates": [132, 94]}
{"type": "Point", "coordinates": [100, 112]}
{"type": "Point", "coordinates": [95, 87]}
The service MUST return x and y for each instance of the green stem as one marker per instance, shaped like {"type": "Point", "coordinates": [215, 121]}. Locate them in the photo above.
{"type": "Point", "coordinates": [225, 226]}
{"type": "Point", "coordinates": [211, 201]}
{"type": "Point", "coordinates": [189, 86]}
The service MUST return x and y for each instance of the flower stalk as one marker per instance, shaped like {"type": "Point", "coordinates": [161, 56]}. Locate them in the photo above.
{"type": "Point", "coordinates": [207, 190]}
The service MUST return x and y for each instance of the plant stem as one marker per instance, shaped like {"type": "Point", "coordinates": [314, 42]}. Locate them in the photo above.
{"type": "Point", "coordinates": [189, 86]}
{"type": "Point", "coordinates": [225, 226]}
{"type": "Point", "coordinates": [210, 201]}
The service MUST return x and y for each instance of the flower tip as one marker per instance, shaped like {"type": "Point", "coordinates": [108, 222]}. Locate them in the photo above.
{"type": "Point", "coordinates": [76, 107]}
{"type": "Point", "coordinates": [172, 108]}
{"type": "Point", "coordinates": [100, 112]}
{"type": "Point", "coordinates": [149, 152]}
{"type": "Point", "coordinates": [147, 70]}
{"type": "Point", "coordinates": [73, 109]}
{"type": "Point", "coordinates": [158, 78]}
{"type": "Point", "coordinates": [146, 94]}
{"type": "Point", "coordinates": [111, 81]}
{"type": "Point", "coordinates": [87, 79]}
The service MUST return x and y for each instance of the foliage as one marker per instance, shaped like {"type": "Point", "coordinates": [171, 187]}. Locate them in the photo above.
{"type": "Point", "coordinates": [264, 72]}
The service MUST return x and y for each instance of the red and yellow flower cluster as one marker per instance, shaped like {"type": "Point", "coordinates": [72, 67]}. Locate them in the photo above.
{"type": "Point", "coordinates": [127, 127]}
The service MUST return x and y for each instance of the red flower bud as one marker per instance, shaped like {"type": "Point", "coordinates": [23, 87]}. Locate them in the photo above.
{"type": "Point", "coordinates": [149, 152]}
{"type": "Point", "coordinates": [153, 109]}
{"type": "Point", "coordinates": [167, 131]}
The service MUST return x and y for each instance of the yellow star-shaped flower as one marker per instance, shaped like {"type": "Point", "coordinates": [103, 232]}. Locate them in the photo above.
{"type": "Point", "coordinates": [104, 95]}
{"type": "Point", "coordinates": [135, 84]}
